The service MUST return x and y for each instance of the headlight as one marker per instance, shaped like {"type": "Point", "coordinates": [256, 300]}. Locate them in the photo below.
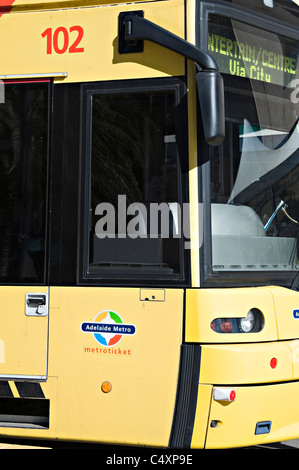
{"type": "Point", "coordinates": [247, 323]}
{"type": "Point", "coordinates": [252, 323]}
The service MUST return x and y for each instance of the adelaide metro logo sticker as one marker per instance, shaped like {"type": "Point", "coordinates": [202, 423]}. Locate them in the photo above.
{"type": "Point", "coordinates": [108, 328]}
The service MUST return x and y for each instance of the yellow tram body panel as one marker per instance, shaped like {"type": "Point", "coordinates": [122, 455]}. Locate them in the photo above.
{"type": "Point", "coordinates": [261, 370]}
{"type": "Point", "coordinates": [23, 341]}
{"type": "Point", "coordinates": [142, 368]}
{"type": "Point", "coordinates": [278, 306]}
{"type": "Point", "coordinates": [83, 42]}
{"type": "Point", "coordinates": [126, 393]}
{"type": "Point", "coordinates": [236, 424]}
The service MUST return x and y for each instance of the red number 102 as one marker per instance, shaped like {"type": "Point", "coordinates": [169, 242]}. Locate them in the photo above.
{"type": "Point", "coordinates": [60, 39]}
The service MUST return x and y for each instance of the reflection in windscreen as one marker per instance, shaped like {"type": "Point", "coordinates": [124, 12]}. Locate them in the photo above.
{"type": "Point", "coordinates": [254, 175]}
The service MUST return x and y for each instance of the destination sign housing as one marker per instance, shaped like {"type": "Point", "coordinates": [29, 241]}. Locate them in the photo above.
{"type": "Point", "coordinates": [246, 51]}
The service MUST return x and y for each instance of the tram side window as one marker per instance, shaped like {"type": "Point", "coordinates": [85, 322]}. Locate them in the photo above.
{"type": "Point", "coordinates": [134, 185]}
{"type": "Point", "coordinates": [23, 181]}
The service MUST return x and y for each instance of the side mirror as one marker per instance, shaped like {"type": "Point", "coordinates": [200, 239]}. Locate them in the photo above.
{"type": "Point", "coordinates": [134, 29]}
{"type": "Point", "coordinates": [210, 91]}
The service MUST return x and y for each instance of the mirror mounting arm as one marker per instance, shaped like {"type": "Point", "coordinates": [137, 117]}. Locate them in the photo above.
{"type": "Point", "coordinates": [137, 28]}
{"type": "Point", "coordinates": [134, 29]}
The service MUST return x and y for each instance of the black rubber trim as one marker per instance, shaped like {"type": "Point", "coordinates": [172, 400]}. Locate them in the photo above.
{"type": "Point", "coordinates": [185, 408]}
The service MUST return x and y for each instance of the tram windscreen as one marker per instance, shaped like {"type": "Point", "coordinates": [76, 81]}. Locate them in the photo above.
{"type": "Point", "coordinates": [255, 173]}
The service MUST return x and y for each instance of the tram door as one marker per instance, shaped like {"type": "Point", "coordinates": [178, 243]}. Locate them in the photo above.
{"type": "Point", "coordinates": [120, 327]}
{"type": "Point", "coordinates": [23, 206]}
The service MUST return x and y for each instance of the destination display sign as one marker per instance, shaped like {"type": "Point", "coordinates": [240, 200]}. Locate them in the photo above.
{"type": "Point", "coordinates": [246, 51]}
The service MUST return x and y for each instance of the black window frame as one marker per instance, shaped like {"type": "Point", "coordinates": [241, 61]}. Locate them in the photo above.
{"type": "Point", "coordinates": [208, 276]}
{"type": "Point", "coordinates": [64, 184]}
{"type": "Point", "coordinates": [125, 86]}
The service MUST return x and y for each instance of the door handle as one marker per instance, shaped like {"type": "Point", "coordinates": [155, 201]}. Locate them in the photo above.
{"type": "Point", "coordinates": [36, 305]}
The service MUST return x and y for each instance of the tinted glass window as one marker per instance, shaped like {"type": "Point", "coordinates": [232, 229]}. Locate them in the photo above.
{"type": "Point", "coordinates": [133, 185]}
{"type": "Point", "coordinates": [254, 174]}
{"type": "Point", "coordinates": [23, 181]}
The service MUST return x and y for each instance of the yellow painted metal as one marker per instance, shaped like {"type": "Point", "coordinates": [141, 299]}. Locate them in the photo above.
{"type": "Point", "coordinates": [294, 347]}
{"type": "Point", "coordinates": [245, 360]}
{"type": "Point", "coordinates": [23, 339]}
{"type": "Point", "coordinates": [195, 223]}
{"type": "Point", "coordinates": [14, 389]}
{"type": "Point", "coordinates": [157, 295]}
{"type": "Point", "coordinates": [276, 303]}
{"type": "Point", "coordinates": [20, 5]}
{"type": "Point", "coordinates": [40, 41]}
{"type": "Point", "coordinates": [205, 305]}
{"type": "Point", "coordinates": [245, 363]}
{"type": "Point", "coordinates": [236, 421]}
{"type": "Point", "coordinates": [142, 369]}
{"type": "Point", "coordinates": [201, 421]}
{"type": "Point", "coordinates": [286, 301]}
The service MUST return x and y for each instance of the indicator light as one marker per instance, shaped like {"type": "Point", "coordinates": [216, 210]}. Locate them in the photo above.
{"type": "Point", "coordinates": [226, 326]}
{"type": "Point", "coordinates": [106, 387]}
{"type": "Point", "coordinates": [273, 362]}
{"type": "Point", "coordinates": [253, 322]}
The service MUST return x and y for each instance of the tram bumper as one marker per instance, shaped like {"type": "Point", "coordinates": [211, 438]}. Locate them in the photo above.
{"type": "Point", "coordinates": [263, 408]}
{"type": "Point", "coordinates": [259, 415]}
{"type": "Point", "coordinates": [261, 367]}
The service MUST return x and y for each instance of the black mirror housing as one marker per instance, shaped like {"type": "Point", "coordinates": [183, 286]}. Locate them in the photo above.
{"type": "Point", "coordinates": [210, 89]}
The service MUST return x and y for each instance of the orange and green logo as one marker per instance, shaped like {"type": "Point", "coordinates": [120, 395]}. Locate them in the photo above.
{"type": "Point", "coordinates": [108, 328]}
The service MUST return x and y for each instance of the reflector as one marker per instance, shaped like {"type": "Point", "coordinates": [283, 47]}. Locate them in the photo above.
{"type": "Point", "coordinates": [273, 362]}
{"type": "Point", "coordinates": [224, 394]}
{"type": "Point", "coordinates": [106, 387]}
